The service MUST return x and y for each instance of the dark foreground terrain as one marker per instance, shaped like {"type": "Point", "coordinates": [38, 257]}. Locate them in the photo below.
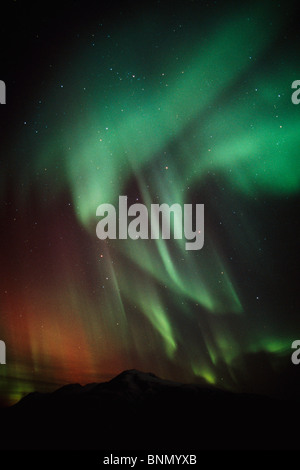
{"type": "Point", "coordinates": [136, 410]}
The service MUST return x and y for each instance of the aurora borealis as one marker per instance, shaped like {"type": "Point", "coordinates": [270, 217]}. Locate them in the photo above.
{"type": "Point", "coordinates": [165, 102]}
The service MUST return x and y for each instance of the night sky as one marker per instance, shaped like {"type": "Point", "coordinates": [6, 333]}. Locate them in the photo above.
{"type": "Point", "coordinates": [165, 102]}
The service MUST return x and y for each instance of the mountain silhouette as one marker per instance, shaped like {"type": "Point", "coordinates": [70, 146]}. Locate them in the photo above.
{"type": "Point", "coordinates": [137, 410]}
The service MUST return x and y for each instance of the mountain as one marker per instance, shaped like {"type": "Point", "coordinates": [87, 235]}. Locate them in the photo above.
{"type": "Point", "coordinates": [138, 410]}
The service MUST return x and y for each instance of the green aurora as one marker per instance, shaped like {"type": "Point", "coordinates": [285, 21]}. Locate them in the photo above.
{"type": "Point", "coordinates": [182, 108]}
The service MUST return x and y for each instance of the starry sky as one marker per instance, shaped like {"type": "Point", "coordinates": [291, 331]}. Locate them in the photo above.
{"type": "Point", "coordinates": [165, 102]}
